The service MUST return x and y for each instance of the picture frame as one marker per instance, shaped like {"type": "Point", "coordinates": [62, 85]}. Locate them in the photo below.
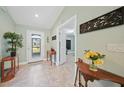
{"type": "Point", "coordinates": [54, 37]}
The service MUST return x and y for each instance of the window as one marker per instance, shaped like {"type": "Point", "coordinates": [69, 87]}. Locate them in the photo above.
{"type": "Point", "coordinates": [36, 45]}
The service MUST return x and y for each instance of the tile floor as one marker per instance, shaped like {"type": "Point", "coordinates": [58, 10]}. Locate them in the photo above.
{"type": "Point", "coordinates": [42, 74]}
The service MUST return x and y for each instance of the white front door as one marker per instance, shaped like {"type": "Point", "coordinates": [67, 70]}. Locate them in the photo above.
{"type": "Point", "coordinates": [62, 48]}
{"type": "Point", "coordinates": [35, 46]}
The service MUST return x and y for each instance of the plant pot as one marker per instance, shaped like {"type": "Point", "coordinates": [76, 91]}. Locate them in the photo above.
{"type": "Point", "coordinates": [13, 54]}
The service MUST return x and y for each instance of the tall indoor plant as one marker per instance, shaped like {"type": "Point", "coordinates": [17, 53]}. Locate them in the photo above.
{"type": "Point", "coordinates": [14, 40]}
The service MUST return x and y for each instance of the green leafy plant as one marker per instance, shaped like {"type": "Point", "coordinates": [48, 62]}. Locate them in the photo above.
{"type": "Point", "coordinates": [14, 40]}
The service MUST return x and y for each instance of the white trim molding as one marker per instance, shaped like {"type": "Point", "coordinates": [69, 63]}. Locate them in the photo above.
{"type": "Point", "coordinates": [23, 63]}
{"type": "Point", "coordinates": [75, 34]}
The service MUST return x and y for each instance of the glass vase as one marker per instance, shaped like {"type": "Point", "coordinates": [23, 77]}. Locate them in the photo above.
{"type": "Point", "coordinates": [93, 67]}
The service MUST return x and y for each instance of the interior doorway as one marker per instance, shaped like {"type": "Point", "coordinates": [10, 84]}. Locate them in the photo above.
{"type": "Point", "coordinates": [35, 46]}
{"type": "Point", "coordinates": [66, 41]}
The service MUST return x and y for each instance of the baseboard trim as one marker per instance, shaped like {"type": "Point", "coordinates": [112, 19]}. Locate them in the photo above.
{"type": "Point", "coordinates": [44, 59]}
{"type": "Point", "coordinates": [23, 63]}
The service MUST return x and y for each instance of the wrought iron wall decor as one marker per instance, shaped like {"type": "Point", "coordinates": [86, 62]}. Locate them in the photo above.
{"type": "Point", "coordinates": [113, 18]}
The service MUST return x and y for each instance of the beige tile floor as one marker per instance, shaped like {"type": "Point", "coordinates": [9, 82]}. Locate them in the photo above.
{"type": "Point", "coordinates": [42, 74]}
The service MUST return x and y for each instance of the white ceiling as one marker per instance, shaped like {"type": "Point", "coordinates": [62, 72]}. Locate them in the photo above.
{"type": "Point", "coordinates": [69, 27]}
{"type": "Point", "coordinates": [25, 15]}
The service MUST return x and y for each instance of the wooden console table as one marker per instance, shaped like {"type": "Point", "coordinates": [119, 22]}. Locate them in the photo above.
{"type": "Point", "coordinates": [50, 54]}
{"type": "Point", "coordinates": [83, 69]}
{"type": "Point", "coordinates": [11, 71]}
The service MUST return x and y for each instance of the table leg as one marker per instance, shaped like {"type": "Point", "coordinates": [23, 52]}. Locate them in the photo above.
{"type": "Point", "coordinates": [80, 84]}
{"type": "Point", "coordinates": [11, 65]}
{"type": "Point", "coordinates": [122, 85]}
{"type": "Point", "coordinates": [14, 65]}
{"type": "Point", "coordinates": [55, 58]}
{"type": "Point", "coordinates": [51, 59]}
{"type": "Point", "coordinates": [80, 79]}
{"type": "Point", "coordinates": [2, 71]}
{"type": "Point", "coordinates": [76, 76]}
{"type": "Point", "coordinates": [47, 55]}
{"type": "Point", "coordinates": [86, 81]}
{"type": "Point", "coordinates": [18, 62]}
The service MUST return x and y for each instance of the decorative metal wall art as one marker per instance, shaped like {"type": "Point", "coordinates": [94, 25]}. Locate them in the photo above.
{"type": "Point", "coordinates": [113, 18]}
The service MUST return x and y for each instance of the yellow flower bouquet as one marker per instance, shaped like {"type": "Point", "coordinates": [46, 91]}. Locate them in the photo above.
{"type": "Point", "coordinates": [95, 57]}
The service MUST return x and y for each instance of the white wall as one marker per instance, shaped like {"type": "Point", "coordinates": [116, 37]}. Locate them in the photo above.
{"type": "Point", "coordinates": [6, 25]}
{"type": "Point", "coordinates": [53, 42]}
{"type": "Point", "coordinates": [96, 40]}
{"type": "Point", "coordinates": [22, 30]}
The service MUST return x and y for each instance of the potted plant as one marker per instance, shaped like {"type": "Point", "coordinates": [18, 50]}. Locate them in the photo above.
{"type": "Point", "coordinates": [15, 41]}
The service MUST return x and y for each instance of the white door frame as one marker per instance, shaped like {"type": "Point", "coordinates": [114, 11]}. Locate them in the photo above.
{"type": "Point", "coordinates": [29, 32]}
{"type": "Point", "coordinates": [0, 47]}
{"type": "Point", "coordinates": [75, 34]}
{"type": "Point", "coordinates": [62, 47]}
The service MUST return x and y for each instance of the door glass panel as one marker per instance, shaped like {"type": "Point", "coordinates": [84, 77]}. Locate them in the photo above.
{"type": "Point", "coordinates": [36, 45]}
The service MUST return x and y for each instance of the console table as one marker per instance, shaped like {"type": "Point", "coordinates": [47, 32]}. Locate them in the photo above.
{"type": "Point", "coordinates": [51, 53]}
{"type": "Point", "coordinates": [83, 69]}
{"type": "Point", "coordinates": [11, 71]}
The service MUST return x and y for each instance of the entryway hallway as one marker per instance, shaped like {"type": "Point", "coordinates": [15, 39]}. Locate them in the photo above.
{"type": "Point", "coordinates": [42, 74]}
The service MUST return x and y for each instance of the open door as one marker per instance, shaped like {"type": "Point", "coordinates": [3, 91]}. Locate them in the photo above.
{"type": "Point", "coordinates": [68, 28]}
{"type": "Point", "coordinates": [62, 48]}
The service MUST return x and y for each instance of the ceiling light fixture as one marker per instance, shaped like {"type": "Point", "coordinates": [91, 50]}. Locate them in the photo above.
{"type": "Point", "coordinates": [70, 31]}
{"type": "Point", "coordinates": [36, 15]}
